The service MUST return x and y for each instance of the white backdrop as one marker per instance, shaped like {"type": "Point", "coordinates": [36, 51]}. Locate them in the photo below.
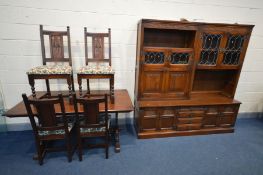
{"type": "Point", "coordinates": [20, 42]}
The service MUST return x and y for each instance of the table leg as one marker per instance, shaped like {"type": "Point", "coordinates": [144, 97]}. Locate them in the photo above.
{"type": "Point", "coordinates": [117, 134]}
{"type": "Point", "coordinates": [112, 89]}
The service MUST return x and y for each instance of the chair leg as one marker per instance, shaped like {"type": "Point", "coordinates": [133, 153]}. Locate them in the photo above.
{"type": "Point", "coordinates": [80, 148]}
{"type": "Point", "coordinates": [69, 150]}
{"type": "Point", "coordinates": [48, 88]}
{"type": "Point", "coordinates": [40, 152]}
{"type": "Point", "coordinates": [88, 87]}
{"type": "Point", "coordinates": [72, 81]}
{"type": "Point", "coordinates": [32, 84]}
{"type": "Point", "coordinates": [107, 145]}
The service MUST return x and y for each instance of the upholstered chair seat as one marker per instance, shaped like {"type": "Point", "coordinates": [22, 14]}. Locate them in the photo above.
{"type": "Point", "coordinates": [96, 129]}
{"type": "Point", "coordinates": [55, 132]}
{"type": "Point", "coordinates": [50, 69]}
{"type": "Point", "coordinates": [96, 69]}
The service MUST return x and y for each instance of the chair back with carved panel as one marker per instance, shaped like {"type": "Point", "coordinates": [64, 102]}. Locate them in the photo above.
{"type": "Point", "coordinates": [59, 51]}
{"type": "Point", "coordinates": [92, 123]}
{"type": "Point", "coordinates": [44, 110]}
{"type": "Point", "coordinates": [91, 114]}
{"type": "Point", "coordinates": [100, 46]}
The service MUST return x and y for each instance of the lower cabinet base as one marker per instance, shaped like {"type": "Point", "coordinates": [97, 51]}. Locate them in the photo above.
{"type": "Point", "coordinates": [168, 121]}
{"type": "Point", "coordinates": [173, 133]}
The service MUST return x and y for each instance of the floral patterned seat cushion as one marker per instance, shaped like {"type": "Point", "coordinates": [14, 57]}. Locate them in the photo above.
{"type": "Point", "coordinates": [98, 129]}
{"type": "Point", "coordinates": [96, 69]}
{"type": "Point", "coordinates": [48, 69]}
{"type": "Point", "coordinates": [56, 132]}
{"type": "Point", "coordinates": [91, 130]}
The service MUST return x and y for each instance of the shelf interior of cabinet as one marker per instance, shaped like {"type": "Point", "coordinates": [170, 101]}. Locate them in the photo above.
{"type": "Point", "coordinates": [208, 81]}
{"type": "Point", "coordinates": [169, 38]}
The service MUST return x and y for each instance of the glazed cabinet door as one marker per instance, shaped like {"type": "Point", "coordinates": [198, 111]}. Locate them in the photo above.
{"type": "Point", "coordinates": [152, 65]}
{"type": "Point", "coordinates": [178, 73]}
{"type": "Point", "coordinates": [222, 50]}
{"type": "Point", "coordinates": [210, 43]}
{"type": "Point", "coordinates": [166, 72]}
{"type": "Point", "coordinates": [234, 50]}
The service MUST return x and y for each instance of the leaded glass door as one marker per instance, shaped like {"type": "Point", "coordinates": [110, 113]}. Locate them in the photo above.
{"type": "Point", "coordinates": [233, 51]}
{"type": "Point", "coordinates": [210, 44]}
{"type": "Point", "coordinates": [152, 63]}
{"type": "Point", "coordinates": [179, 72]}
{"type": "Point", "coordinates": [221, 50]}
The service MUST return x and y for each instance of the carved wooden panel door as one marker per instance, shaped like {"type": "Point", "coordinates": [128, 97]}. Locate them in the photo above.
{"type": "Point", "coordinates": [152, 72]}
{"type": "Point", "coordinates": [178, 72]}
{"type": "Point", "coordinates": [165, 72]}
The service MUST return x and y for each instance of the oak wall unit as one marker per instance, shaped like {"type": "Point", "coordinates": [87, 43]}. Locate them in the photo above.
{"type": "Point", "coordinates": [186, 77]}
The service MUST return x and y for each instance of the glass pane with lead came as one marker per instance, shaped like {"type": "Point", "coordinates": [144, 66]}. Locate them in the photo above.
{"type": "Point", "coordinates": [179, 58]}
{"type": "Point", "coordinates": [208, 57]}
{"type": "Point", "coordinates": [154, 57]}
{"type": "Point", "coordinates": [211, 41]}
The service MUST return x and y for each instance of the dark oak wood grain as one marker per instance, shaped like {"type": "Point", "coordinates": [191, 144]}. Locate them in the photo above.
{"type": "Point", "coordinates": [186, 77]}
{"type": "Point", "coordinates": [48, 128]}
{"type": "Point", "coordinates": [92, 118]}
{"type": "Point", "coordinates": [56, 46]}
{"type": "Point", "coordinates": [122, 104]}
{"type": "Point", "coordinates": [98, 56]}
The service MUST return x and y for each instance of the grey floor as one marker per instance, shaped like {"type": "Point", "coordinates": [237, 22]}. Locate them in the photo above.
{"type": "Point", "coordinates": [239, 153]}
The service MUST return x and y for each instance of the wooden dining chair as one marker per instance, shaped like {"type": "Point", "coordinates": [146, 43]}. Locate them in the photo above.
{"type": "Point", "coordinates": [95, 62]}
{"type": "Point", "coordinates": [91, 123]}
{"type": "Point", "coordinates": [50, 125]}
{"type": "Point", "coordinates": [54, 51]}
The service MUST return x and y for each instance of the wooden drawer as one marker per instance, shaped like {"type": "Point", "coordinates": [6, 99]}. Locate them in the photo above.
{"type": "Point", "coordinates": [190, 120]}
{"type": "Point", "coordinates": [212, 110]}
{"type": "Point", "coordinates": [228, 110]}
{"type": "Point", "coordinates": [191, 112]}
{"type": "Point", "coordinates": [187, 127]}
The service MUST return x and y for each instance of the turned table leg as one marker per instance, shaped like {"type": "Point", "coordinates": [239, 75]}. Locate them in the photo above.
{"type": "Point", "coordinates": [112, 89]}
{"type": "Point", "coordinates": [117, 134]}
